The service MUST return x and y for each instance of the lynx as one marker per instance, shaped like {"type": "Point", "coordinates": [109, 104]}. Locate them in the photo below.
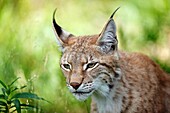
{"type": "Point", "coordinates": [117, 81]}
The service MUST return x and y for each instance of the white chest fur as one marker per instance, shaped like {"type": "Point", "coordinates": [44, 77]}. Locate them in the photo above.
{"type": "Point", "coordinates": [108, 104]}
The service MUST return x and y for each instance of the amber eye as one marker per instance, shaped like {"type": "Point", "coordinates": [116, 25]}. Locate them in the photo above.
{"type": "Point", "coordinates": [66, 66]}
{"type": "Point", "coordinates": [91, 65]}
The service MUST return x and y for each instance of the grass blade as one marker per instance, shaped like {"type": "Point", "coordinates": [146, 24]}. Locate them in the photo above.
{"type": "Point", "coordinates": [14, 81]}
{"type": "Point", "coordinates": [15, 89]}
{"type": "Point", "coordinates": [3, 84]}
{"type": "Point", "coordinates": [22, 87]}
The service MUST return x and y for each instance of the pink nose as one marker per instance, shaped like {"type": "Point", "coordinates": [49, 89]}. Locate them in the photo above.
{"type": "Point", "coordinates": [75, 85]}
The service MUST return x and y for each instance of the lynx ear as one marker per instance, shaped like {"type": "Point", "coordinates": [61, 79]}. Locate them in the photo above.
{"type": "Point", "coordinates": [108, 39]}
{"type": "Point", "coordinates": [61, 34]}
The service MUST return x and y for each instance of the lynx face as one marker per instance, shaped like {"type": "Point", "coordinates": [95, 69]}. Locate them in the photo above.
{"type": "Point", "coordinates": [89, 63]}
{"type": "Point", "coordinates": [85, 70]}
{"type": "Point", "coordinates": [119, 82]}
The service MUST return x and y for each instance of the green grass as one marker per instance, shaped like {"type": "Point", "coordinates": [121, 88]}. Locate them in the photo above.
{"type": "Point", "coordinates": [11, 100]}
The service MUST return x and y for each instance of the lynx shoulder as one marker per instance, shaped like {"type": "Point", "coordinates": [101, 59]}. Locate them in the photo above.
{"type": "Point", "coordinates": [118, 82]}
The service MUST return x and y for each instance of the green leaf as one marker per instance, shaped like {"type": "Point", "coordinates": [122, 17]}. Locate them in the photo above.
{"type": "Point", "coordinates": [22, 87]}
{"type": "Point", "coordinates": [14, 81]}
{"type": "Point", "coordinates": [27, 107]}
{"type": "Point", "coordinates": [3, 107]}
{"type": "Point", "coordinates": [30, 106]}
{"type": "Point", "coordinates": [8, 91]}
{"type": "Point", "coordinates": [2, 103]}
{"type": "Point", "coordinates": [26, 95]}
{"type": "Point", "coordinates": [17, 105]}
{"type": "Point", "coordinates": [14, 89]}
{"type": "Point", "coordinates": [3, 111]}
{"type": "Point", "coordinates": [2, 96]}
{"type": "Point", "coordinates": [3, 91]}
{"type": "Point", "coordinates": [3, 84]}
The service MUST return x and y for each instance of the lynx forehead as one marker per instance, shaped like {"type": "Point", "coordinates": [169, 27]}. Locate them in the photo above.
{"type": "Point", "coordinates": [118, 82]}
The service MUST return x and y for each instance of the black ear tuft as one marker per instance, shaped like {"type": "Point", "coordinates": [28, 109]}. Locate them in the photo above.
{"type": "Point", "coordinates": [114, 13]}
{"type": "Point", "coordinates": [62, 35]}
{"type": "Point", "coordinates": [56, 26]}
{"type": "Point", "coordinates": [108, 38]}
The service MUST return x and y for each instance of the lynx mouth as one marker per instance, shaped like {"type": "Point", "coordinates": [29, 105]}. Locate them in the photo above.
{"type": "Point", "coordinates": [82, 95]}
{"type": "Point", "coordinates": [81, 92]}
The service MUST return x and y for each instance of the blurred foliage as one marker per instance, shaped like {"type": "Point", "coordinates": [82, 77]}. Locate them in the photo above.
{"type": "Point", "coordinates": [28, 49]}
{"type": "Point", "coordinates": [11, 100]}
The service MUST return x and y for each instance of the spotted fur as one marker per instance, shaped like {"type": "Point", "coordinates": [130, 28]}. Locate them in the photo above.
{"type": "Point", "coordinates": [118, 82]}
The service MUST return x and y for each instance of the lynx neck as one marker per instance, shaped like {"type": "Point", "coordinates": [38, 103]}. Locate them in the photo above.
{"type": "Point", "coordinates": [108, 104]}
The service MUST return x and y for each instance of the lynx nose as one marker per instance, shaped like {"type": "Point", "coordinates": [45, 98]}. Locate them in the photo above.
{"type": "Point", "coordinates": [75, 85]}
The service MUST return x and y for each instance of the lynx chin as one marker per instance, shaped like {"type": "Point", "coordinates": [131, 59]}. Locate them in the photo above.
{"type": "Point", "coordinates": [117, 81]}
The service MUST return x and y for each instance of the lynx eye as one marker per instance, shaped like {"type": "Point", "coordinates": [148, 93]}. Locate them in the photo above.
{"type": "Point", "coordinates": [66, 67]}
{"type": "Point", "coordinates": [91, 65]}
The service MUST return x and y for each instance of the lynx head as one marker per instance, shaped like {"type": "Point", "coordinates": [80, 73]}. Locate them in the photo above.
{"type": "Point", "coordinates": [89, 63]}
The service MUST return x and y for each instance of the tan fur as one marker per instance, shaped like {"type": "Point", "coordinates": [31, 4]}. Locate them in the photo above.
{"type": "Point", "coordinates": [118, 82]}
{"type": "Point", "coordinates": [144, 87]}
